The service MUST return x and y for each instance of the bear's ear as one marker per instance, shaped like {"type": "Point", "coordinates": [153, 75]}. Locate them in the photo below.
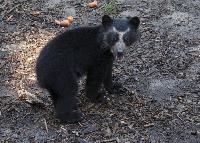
{"type": "Point", "coordinates": [135, 21]}
{"type": "Point", "coordinates": [106, 20]}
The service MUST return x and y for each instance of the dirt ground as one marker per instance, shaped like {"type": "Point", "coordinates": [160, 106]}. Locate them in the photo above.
{"type": "Point", "coordinates": [159, 102]}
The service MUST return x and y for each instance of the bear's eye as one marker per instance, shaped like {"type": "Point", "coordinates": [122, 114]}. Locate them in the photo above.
{"type": "Point", "coordinates": [128, 38]}
{"type": "Point", "coordinates": [112, 38]}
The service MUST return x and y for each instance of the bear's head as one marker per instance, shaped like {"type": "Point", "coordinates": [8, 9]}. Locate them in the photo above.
{"type": "Point", "coordinates": [119, 34]}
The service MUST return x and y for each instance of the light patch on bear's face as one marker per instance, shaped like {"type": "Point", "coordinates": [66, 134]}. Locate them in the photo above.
{"type": "Point", "coordinates": [117, 40]}
{"type": "Point", "coordinates": [119, 47]}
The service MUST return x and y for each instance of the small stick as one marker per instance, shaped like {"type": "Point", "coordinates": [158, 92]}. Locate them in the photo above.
{"type": "Point", "coordinates": [179, 116]}
{"type": "Point", "coordinates": [45, 123]}
{"type": "Point", "coordinates": [80, 124]}
{"type": "Point", "coordinates": [109, 140]}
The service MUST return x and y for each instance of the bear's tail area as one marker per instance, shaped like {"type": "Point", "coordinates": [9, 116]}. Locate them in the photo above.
{"type": "Point", "coordinates": [41, 83]}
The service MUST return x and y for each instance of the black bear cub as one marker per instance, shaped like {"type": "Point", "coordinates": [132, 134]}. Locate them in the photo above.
{"type": "Point", "coordinates": [83, 51]}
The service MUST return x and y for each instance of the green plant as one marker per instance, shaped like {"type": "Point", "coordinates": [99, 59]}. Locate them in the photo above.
{"type": "Point", "coordinates": [109, 7]}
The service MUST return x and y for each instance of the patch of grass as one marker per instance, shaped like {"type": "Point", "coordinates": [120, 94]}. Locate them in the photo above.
{"type": "Point", "coordinates": [109, 7]}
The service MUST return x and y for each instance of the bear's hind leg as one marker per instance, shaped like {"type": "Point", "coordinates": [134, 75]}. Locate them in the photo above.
{"type": "Point", "coordinates": [65, 111]}
{"type": "Point", "coordinates": [64, 96]}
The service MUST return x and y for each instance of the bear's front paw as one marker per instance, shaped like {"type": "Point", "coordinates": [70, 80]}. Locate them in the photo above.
{"type": "Point", "coordinates": [72, 117]}
{"type": "Point", "coordinates": [100, 98]}
{"type": "Point", "coordinates": [116, 88]}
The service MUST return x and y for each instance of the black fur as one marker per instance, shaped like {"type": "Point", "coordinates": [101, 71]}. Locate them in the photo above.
{"type": "Point", "coordinates": [68, 57]}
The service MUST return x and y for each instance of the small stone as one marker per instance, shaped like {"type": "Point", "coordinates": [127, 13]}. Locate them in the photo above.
{"type": "Point", "coordinates": [89, 129]}
{"type": "Point", "coordinates": [108, 131]}
{"type": "Point", "coordinates": [76, 133]}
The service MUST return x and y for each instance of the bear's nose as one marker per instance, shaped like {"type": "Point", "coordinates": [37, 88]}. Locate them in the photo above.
{"type": "Point", "coordinates": [120, 55]}
{"type": "Point", "coordinates": [120, 50]}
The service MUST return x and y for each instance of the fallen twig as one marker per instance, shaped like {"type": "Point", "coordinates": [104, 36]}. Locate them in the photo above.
{"type": "Point", "coordinates": [110, 140]}
{"type": "Point", "coordinates": [45, 123]}
{"type": "Point", "coordinates": [179, 116]}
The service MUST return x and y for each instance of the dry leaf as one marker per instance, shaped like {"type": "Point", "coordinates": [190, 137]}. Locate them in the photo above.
{"type": "Point", "coordinates": [93, 4]}
{"type": "Point", "coordinates": [35, 13]}
{"type": "Point", "coordinates": [63, 23]}
{"type": "Point", "coordinates": [70, 19]}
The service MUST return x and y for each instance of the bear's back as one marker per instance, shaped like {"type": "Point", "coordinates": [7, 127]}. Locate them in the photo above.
{"type": "Point", "coordinates": [71, 50]}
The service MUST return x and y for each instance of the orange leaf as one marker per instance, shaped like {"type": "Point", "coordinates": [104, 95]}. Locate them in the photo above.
{"type": "Point", "coordinates": [93, 4]}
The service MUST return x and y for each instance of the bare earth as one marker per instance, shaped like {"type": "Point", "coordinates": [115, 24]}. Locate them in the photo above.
{"type": "Point", "coordinates": [160, 101]}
